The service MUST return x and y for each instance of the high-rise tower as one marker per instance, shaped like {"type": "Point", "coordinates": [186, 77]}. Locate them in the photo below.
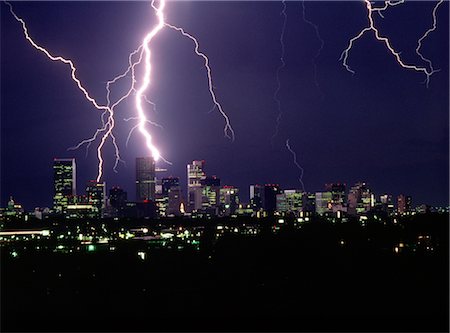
{"type": "Point", "coordinates": [195, 176]}
{"type": "Point", "coordinates": [145, 179]}
{"type": "Point", "coordinates": [64, 175]}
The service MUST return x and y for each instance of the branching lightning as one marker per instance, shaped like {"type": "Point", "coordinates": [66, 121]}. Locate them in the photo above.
{"type": "Point", "coordinates": [294, 155]}
{"type": "Point", "coordinates": [425, 35]}
{"type": "Point", "coordinates": [278, 71]}
{"type": "Point", "coordinates": [137, 87]}
{"type": "Point", "coordinates": [385, 40]}
{"type": "Point", "coordinates": [319, 50]}
{"type": "Point", "coordinates": [105, 108]}
{"type": "Point", "coordinates": [228, 130]}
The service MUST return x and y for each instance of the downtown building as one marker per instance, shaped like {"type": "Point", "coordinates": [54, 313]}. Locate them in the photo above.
{"type": "Point", "coordinates": [64, 183]}
{"type": "Point", "coordinates": [145, 179]}
{"type": "Point", "coordinates": [290, 201]}
{"type": "Point", "coordinates": [168, 197]}
{"type": "Point", "coordinates": [195, 177]}
{"type": "Point", "coordinates": [263, 198]}
{"type": "Point", "coordinates": [360, 199]}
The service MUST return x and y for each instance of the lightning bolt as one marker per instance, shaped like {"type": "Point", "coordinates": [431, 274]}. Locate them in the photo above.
{"type": "Point", "coordinates": [294, 156]}
{"type": "Point", "coordinates": [228, 130]}
{"type": "Point", "coordinates": [385, 40]}
{"type": "Point", "coordinates": [387, 4]}
{"type": "Point", "coordinates": [137, 87]}
{"type": "Point", "coordinates": [277, 73]}
{"type": "Point", "coordinates": [104, 108]}
{"type": "Point", "coordinates": [108, 126]}
{"type": "Point", "coordinates": [425, 35]}
{"type": "Point", "coordinates": [319, 50]}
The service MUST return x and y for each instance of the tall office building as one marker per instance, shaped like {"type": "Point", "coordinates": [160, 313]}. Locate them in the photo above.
{"type": "Point", "coordinates": [211, 194]}
{"type": "Point", "coordinates": [324, 202]}
{"type": "Point", "coordinates": [174, 202]}
{"type": "Point", "coordinates": [145, 179]}
{"type": "Point", "coordinates": [309, 202]}
{"type": "Point", "coordinates": [269, 202]}
{"type": "Point", "coordinates": [386, 203]}
{"type": "Point", "coordinates": [290, 201]}
{"type": "Point", "coordinates": [163, 189]}
{"type": "Point", "coordinates": [338, 197]}
{"type": "Point", "coordinates": [96, 196]}
{"type": "Point", "coordinates": [229, 200]}
{"type": "Point", "coordinates": [195, 176]}
{"type": "Point", "coordinates": [256, 196]}
{"type": "Point", "coordinates": [360, 199]}
{"type": "Point", "coordinates": [64, 175]}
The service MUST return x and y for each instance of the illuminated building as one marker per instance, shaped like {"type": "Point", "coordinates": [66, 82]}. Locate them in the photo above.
{"type": "Point", "coordinates": [323, 202]}
{"type": "Point", "coordinates": [79, 210]}
{"type": "Point", "coordinates": [309, 203]}
{"type": "Point", "coordinates": [404, 204]}
{"type": "Point", "coordinates": [145, 179]}
{"type": "Point", "coordinates": [96, 196]}
{"type": "Point", "coordinates": [289, 201]}
{"type": "Point", "coordinates": [195, 176]}
{"type": "Point", "coordinates": [338, 197]}
{"type": "Point", "coordinates": [211, 195]}
{"type": "Point", "coordinates": [360, 199]}
{"type": "Point", "coordinates": [229, 200]}
{"type": "Point", "coordinates": [64, 181]}
{"type": "Point", "coordinates": [169, 200]}
{"type": "Point", "coordinates": [264, 197]}
{"type": "Point", "coordinates": [14, 209]}
{"type": "Point", "coordinates": [256, 195]}
{"type": "Point", "coordinates": [174, 202]}
{"type": "Point", "coordinates": [386, 203]}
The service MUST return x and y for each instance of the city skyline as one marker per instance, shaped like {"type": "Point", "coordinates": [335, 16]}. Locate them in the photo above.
{"type": "Point", "coordinates": [203, 193]}
{"type": "Point", "coordinates": [381, 125]}
{"type": "Point", "coordinates": [224, 166]}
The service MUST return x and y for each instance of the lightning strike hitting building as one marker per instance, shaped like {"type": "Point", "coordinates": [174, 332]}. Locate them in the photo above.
{"type": "Point", "coordinates": [140, 66]}
{"type": "Point", "coordinates": [137, 87]}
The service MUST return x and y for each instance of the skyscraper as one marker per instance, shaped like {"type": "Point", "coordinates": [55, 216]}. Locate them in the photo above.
{"type": "Point", "coordinates": [163, 189]}
{"type": "Point", "coordinates": [145, 179]}
{"type": "Point", "coordinates": [64, 175]}
{"type": "Point", "coordinates": [360, 199]}
{"type": "Point", "coordinates": [211, 194]}
{"type": "Point", "coordinates": [229, 200]}
{"type": "Point", "coordinates": [96, 196]}
{"type": "Point", "coordinates": [195, 176]}
{"type": "Point", "coordinates": [256, 196]}
{"type": "Point", "coordinates": [269, 199]}
{"type": "Point", "coordinates": [323, 202]}
{"type": "Point", "coordinates": [338, 198]}
{"type": "Point", "coordinates": [289, 201]}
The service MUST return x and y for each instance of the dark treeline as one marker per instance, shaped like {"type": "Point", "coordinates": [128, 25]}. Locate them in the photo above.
{"type": "Point", "coordinates": [319, 277]}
